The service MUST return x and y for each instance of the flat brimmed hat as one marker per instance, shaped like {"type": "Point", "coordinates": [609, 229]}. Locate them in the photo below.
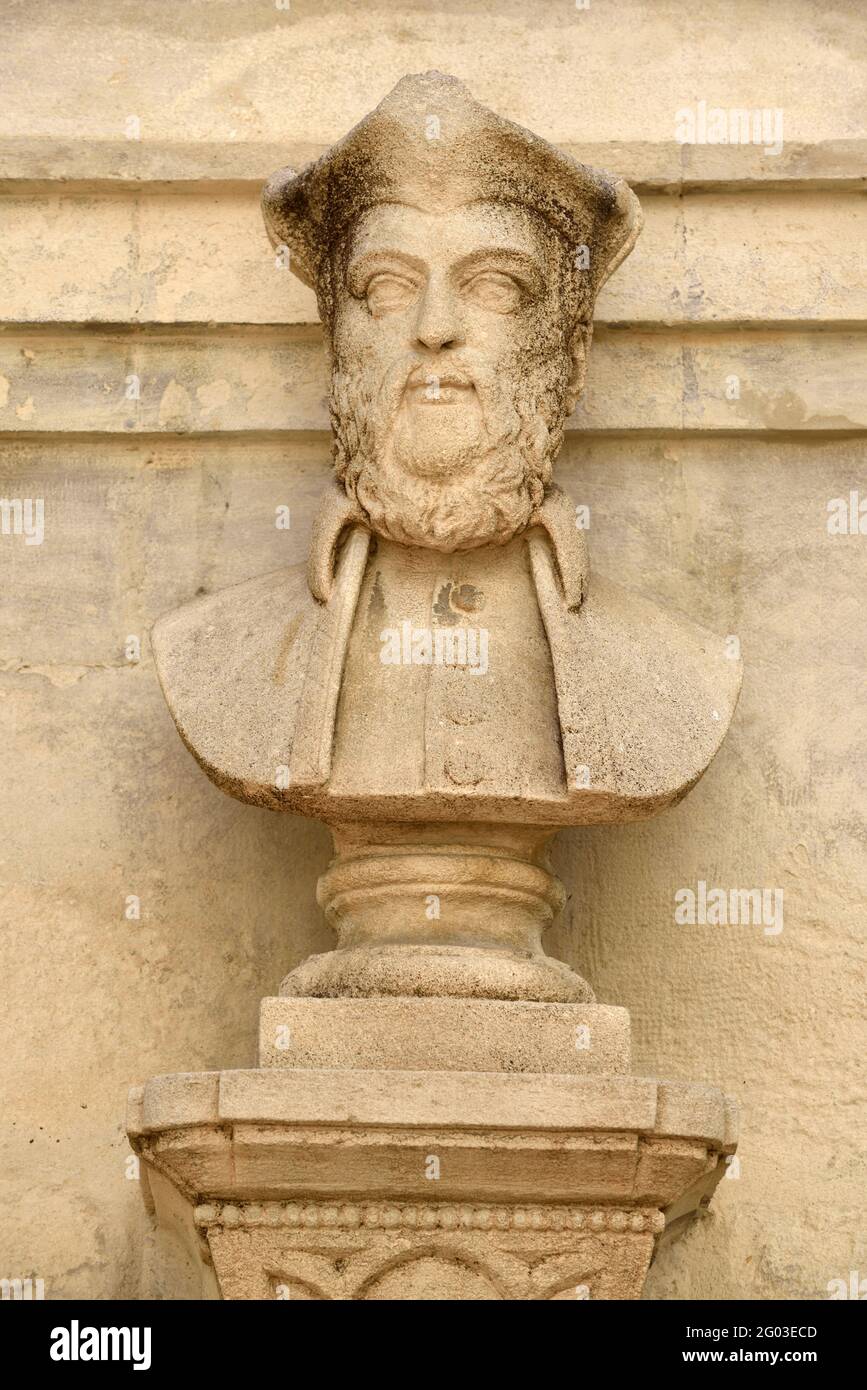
{"type": "Point", "coordinates": [431, 145]}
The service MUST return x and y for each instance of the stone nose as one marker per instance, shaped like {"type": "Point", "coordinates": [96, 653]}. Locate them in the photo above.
{"type": "Point", "coordinates": [439, 322]}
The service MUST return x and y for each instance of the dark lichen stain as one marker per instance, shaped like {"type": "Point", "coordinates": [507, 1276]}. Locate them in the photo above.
{"type": "Point", "coordinates": [376, 604]}
{"type": "Point", "coordinates": [442, 612]}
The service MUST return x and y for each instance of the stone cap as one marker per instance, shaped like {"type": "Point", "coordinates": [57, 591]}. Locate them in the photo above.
{"type": "Point", "coordinates": [284, 1135]}
{"type": "Point", "coordinates": [412, 1099]}
{"type": "Point", "coordinates": [430, 144]}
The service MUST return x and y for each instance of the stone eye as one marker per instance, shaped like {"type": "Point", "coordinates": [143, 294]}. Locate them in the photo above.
{"type": "Point", "coordinates": [386, 292]}
{"type": "Point", "coordinates": [495, 291]}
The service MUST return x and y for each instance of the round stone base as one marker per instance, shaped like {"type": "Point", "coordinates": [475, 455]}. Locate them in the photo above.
{"type": "Point", "coordinates": [461, 972]}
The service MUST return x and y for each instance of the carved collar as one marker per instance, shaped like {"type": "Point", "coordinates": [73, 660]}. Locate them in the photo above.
{"type": "Point", "coordinates": [338, 513]}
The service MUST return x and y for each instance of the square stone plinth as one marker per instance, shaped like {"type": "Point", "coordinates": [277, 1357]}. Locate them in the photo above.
{"type": "Point", "coordinates": [439, 1034]}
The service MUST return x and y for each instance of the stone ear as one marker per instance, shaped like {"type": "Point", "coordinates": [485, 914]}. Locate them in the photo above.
{"type": "Point", "coordinates": [580, 349]}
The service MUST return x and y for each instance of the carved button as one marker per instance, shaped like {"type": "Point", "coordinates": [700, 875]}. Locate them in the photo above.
{"type": "Point", "coordinates": [466, 598]}
{"type": "Point", "coordinates": [463, 768]}
{"type": "Point", "coordinates": [459, 599]}
{"type": "Point", "coordinates": [462, 706]}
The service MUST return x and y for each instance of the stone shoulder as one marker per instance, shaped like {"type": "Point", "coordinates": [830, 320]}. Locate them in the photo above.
{"type": "Point", "coordinates": [232, 665]}
{"type": "Point", "coordinates": [645, 696]}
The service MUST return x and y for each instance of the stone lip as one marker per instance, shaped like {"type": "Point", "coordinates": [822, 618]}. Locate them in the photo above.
{"type": "Point", "coordinates": [283, 1134]}
{"type": "Point", "coordinates": [432, 971]}
{"type": "Point", "coordinates": [411, 1099]}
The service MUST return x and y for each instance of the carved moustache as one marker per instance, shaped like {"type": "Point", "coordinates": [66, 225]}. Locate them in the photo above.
{"type": "Point", "coordinates": [404, 379]}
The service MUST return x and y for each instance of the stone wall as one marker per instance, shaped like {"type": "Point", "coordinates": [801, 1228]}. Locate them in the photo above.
{"type": "Point", "coordinates": [725, 408]}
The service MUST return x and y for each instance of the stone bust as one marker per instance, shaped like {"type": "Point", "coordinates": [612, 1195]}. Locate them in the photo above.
{"type": "Point", "coordinates": [446, 655]}
{"type": "Point", "coordinates": [445, 684]}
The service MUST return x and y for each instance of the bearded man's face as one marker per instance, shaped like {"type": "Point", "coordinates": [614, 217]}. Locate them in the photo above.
{"type": "Point", "coordinates": [453, 370]}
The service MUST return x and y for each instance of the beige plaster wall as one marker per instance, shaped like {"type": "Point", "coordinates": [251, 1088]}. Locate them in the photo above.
{"type": "Point", "coordinates": [145, 256]}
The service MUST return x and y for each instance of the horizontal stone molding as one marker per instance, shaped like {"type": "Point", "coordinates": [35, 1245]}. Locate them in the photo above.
{"type": "Point", "coordinates": [203, 257]}
{"type": "Point", "coordinates": [33, 163]}
{"type": "Point", "coordinates": [356, 1138]}
{"type": "Point", "coordinates": [415, 1099]}
{"type": "Point", "coordinates": [271, 380]}
{"type": "Point", "coordinates": [431, 1216]}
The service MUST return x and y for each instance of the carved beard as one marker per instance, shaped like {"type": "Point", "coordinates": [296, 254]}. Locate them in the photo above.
{"type": "Point", "coordinates": [449, 491]}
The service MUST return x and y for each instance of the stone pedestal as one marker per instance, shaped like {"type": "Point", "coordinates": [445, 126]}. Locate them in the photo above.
{"type": "Point", "coordinates": [400, 1142]}
{"type": "Point", "coordinates": [378, 1182]}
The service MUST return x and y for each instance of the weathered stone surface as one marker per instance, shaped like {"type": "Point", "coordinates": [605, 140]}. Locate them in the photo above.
{"type": "Point", "coordinates": [268, 645]}
{"type": "Point", "coordinates": [439, 522]}
{"type": "Point", "coordinates": [731, 530]}
{"type": "Point", "coordinates": [268, 380]}
{"type": "Point", "coordinates": [443, 1034]}
{"type": "Point", "coordinates": [413, 1252]}
{"type": "Point", "coordinates": [702, 259]}
{"type": "Point", "coordinates": [230, 116]}
{"type": "Point", "coordinates": [406, 1099]}
{"type": "Point", "coordinates": [235, 381]}
{"type": "Point", "coordinates": [412, 1181]}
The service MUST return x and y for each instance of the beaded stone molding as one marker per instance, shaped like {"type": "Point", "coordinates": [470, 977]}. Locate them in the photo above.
{"type": "Point", "coordinates": [429, 1216]}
